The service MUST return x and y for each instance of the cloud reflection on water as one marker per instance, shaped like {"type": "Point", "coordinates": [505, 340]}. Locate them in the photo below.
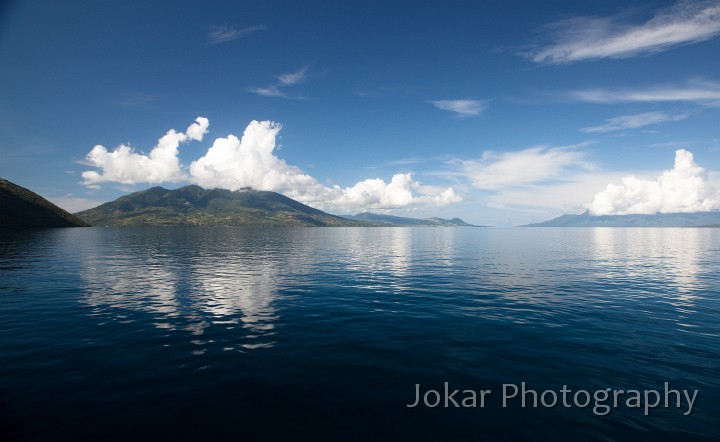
{"type": "Point", "coordinates": [189, 285]}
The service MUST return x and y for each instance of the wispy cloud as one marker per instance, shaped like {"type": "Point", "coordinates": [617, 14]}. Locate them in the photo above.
{"type": "Point", "coordinates": [284, 81]}
{"type": "Point", "coordinates": [702, 92]}
{"type": "Point", "coordinates": [463, 108]}
{"type": "Point", "coordinates": [270, 91]}
{"type": "Point", "coordinates": [225, 33]}
{"type": "Point", "coordinates": [414, 160]}
{"type": "Point", "coordinates": [293, 78]}
{"type": "Point", "coordinates": [137, 99]}
{"type": "Point", "coordinates": [674, 144]}
{"type": "Point", "coordinates": [625, 122]}
{"type": "Point", "coordinates": [595, 38]}
{"type": "Point", "coordinates": [496, 170]}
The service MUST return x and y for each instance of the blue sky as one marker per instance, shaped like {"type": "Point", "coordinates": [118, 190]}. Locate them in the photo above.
{"type": "Point", "coordinates": [498, 112]}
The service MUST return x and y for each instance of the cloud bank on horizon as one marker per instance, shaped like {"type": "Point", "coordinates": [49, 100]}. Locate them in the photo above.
{"type": "Point", "coordinates": [683, 189]}
{"type": "Point", "coordinates": [234, 163]}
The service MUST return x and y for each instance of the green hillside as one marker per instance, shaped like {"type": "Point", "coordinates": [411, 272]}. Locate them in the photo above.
{"type": "Point", "coordinates": [22, 208]}
{"type": "Point", "coordinates": [195, 206]}
{"type": "Point", "coordinates": [392, 220]}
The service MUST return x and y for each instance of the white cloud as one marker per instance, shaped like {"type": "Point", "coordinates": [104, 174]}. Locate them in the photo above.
{"type": "Point", "coordinates": [270, 91]}
{"type": "Point", "coordinates": [233, 163]}
{"type": "Point", "coordinates": [125, 166]}
{"type": "Point", "coordinates": [292, 78]}
{"type": "Point", "coordinates": [284, 81]}
{"type": "Point", "coordinates": [225, 33]}
{"type": "Point", "coordinates": [683, 189]}
{"type": "Point", "coordinates": [375, 194]}
{"type": "Point", "coordinates": [594, 38]}
{"type": "Point", "coordinates": [199, 128]}
{"type": "Point", "coordinates": [498, 170]}
{"type": "Point", "coordinates": [703, 92]}
{"type": "Point", "coordinates": [569, 195]}
{"type": "Point", "coordinates": [464, 108]}
{"type": "Point", "coordinates": [634, 121]}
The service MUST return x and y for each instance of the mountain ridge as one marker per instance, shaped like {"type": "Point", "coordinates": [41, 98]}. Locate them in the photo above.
{"type": "Point", "coordinates": [406, 221]}
{"type": "Point", "coordinates": [194, 206]}
{"type": "Point", "coordinates": [585, 219]}
{"type": "Point", "coordinates": [23, 208]}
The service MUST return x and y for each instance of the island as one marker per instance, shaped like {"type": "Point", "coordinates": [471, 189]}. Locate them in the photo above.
{"type": "Point", "coordinates": [585, 219]}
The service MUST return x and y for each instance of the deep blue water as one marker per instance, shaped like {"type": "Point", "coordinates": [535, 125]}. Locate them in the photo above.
{"type": "Point", "coordinates": [323, 333]}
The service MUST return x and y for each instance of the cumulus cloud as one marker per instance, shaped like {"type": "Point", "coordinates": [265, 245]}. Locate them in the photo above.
{"type": "Point", "coordinates": [401, 191]}
{"type": "Point", "coordinates": [567, 195]}
{"type": "Point", "coordinates": [464, 108]}
{"type": "Point", "coordinates": [498, 170]}
{"type": "Point", "coordinates": [683, 189]}
{"type": "Point", "coordinates": [250, 161]}
{"type": "Point", "coordinates": [198, 129]}
{"type": "Point", "coordinates": [594, 38]}
{"type": "Point", "coordinates": [225, 33]}
{"type": "Point", "coordinates": [233, 163]}
{"type": "Point", "coordinates": [124, 165]}
{"type": "Point", "coordinates": [635, 121]}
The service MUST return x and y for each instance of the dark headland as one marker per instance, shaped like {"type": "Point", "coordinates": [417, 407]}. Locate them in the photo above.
{"type": "Point", "coordinates": [22, 208]}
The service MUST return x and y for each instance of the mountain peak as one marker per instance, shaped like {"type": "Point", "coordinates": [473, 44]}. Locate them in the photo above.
{"type": "Point", "coordinates": [194, 206]}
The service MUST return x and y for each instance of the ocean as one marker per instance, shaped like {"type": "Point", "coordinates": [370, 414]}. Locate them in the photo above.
{"type": "Point", "coordinates": [397, 334]}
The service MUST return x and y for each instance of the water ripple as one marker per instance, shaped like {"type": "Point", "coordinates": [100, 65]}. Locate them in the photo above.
{"type": "Point", "coordinates": [341, 323]}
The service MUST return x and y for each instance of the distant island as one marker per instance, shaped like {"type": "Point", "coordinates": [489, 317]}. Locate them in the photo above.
{"type": "Point", "coordinates": [22, 208]}
{"type": "Point", "coordinates": [585, 219]}
{"type": "Point", "coordinates": [392, 220]}
{"type": "Point", "coordinates": [194, 206]}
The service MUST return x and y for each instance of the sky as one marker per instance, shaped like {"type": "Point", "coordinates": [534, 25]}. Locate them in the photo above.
{"type": "Point", "coordinates": [498, 112]}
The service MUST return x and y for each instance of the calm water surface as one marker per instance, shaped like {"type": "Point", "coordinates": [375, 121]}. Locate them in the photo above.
{"type": "Point", "coordinates": [323, 333]}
